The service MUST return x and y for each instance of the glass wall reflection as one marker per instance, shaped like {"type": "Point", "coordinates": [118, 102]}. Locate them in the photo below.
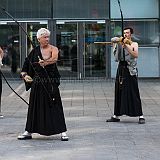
{"type": "Point", "coordinates": [146, 32]}
{"type": "Point", "coordinates": [67, 45]}
{"type": "Point", "coordinates": [10, 44]}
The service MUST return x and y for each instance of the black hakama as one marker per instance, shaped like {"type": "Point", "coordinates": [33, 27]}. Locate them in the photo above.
{"type": "Point", "coordinates": [45, 112]}
{"type": "Point", "coordinates": [127, 97]}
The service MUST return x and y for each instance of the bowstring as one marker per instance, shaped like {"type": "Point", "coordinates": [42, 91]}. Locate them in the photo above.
{"type": "Point", "coordinates": [12, 77]}
{"type": "Point", "coordinates": [3, 9]}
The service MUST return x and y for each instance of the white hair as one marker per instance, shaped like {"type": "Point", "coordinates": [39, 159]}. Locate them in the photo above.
{"type": "Point", "coordinates": [43, 32]}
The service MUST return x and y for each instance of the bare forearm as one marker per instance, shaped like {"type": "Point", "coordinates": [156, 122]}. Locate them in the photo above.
{"type": "Point", "coordinates": [130, 49]}
{"type": "Point", "coordinates": [1, 53]}
{"type": "Point", "coordinates": [47, 62]}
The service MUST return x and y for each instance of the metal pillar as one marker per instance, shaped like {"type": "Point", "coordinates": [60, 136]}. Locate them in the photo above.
{"type": "Point", "coordinates": [23, 43]}
{"type": "Point", "coordinates": [80, 60]}
{"type": "Point", "coordinates": [52, 28]}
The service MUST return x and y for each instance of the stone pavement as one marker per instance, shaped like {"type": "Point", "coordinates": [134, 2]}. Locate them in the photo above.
{"type": "Point", "coordinates": [87, 104]}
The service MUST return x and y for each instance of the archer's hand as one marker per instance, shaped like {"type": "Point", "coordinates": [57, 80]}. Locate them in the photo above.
{"type": "Point", "coordinates": [127, 41]}
{"type": "Point", "coordinates": [124, 41]}
{"type": "Point", "coordinates": [42, 63]}
{"type": "Point", "coordinates": [28, 79]}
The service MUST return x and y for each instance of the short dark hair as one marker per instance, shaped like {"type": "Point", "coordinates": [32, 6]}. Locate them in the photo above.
{"type": "Point", "coordinates": [131, 29]}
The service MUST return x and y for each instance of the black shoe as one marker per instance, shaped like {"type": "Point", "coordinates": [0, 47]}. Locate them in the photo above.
{"type": "Point", "coordinates": [141, 121]}
{"type": "Point", "coordinates": [24, 137]}
{"type": "Point", "coordinates": [112, 119]}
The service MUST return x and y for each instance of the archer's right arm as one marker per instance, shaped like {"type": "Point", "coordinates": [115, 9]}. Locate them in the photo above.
{"type": "Point", "coordinates": [26, 69]}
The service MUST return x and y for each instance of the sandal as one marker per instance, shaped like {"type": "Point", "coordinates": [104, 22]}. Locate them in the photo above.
{"type": "Point", "coordinates": [24, 136]}
{"type": "Point", "coordinates": [64, 138]}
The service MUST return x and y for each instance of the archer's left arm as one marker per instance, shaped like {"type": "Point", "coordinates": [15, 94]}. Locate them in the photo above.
{"type": "Point", "coordinates": [1, 56]}
{"type": "Point", "coordinates": [1, 53]}
{"type": "Point", "coordinates": [54, 56]}
{"type": "Point", "coordinates": [132, 49]}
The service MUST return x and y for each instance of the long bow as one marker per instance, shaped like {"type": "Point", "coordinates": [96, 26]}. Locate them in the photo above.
{"type": "Point", "coordinates": [122, 22]}
{"type": "Point", "coordinates": [122, 25]}
{"type": "Point", "coordinates": [4, 10]}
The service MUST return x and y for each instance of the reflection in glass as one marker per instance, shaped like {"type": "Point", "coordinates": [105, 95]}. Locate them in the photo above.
{"type": "Point", "coordinates": [9, 42]}
{"type": "Point", "coordinates": [67, 44]}
{"type": "Point", "coordinates": [32, 29]}
{"type": "Point", "coordinates": [94, 53]}
{"type": "Point", "coordinates": [145, 32]}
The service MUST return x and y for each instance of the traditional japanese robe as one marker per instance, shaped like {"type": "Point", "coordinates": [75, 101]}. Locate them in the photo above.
{"type": "Point", "coordinates": [45, 112]}
{"type": "Point", "coordinates": [0, 83]}
{"type": "Point", "coordinates": [127, 97]}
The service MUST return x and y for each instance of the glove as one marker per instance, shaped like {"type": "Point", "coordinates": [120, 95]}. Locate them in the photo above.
{"type": "Point", "coordinates": [28, 79]}
{"type": "Point", "coordinates": [121, 40]}
{"type": "Point", "coordinates": [127, 41]}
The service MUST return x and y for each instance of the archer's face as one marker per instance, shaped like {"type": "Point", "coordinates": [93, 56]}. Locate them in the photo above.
{"type": "Point", "coordinates": [127, 33]}
{"type": "Point", "coordinates": [44, 40]}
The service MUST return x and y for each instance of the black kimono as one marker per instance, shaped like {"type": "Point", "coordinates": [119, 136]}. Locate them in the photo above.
{"type": "Point", "coordinates": [127, 97]}
{"type": "Point", "coordinates": [45, 112]}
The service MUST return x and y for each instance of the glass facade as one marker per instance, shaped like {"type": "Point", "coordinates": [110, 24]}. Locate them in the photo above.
{"type": "Point", "coordinates": [57, 9]}
{"type": "Point", "coordinates": [94, 57]}
{"type": "Point", "coordinates": [84, 62]}
{"type": "Point", "coordinates": [146, 32]}
{"type": "Point", "coordinates": [135, 9]}
{"type": "Point", "coordinates": [84, 9]}
{"type": "Point", "coordinates": [75, 26]}
{"type": "Point", "coordinates": [68, 51]}
{"type": "Point", "coordinates": [10, 46]}
{"type": "Point", "coordinates": [27, 9]}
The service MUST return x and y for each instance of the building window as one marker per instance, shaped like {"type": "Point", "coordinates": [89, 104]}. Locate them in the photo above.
{"type": "Point", "coordinates": [145, 31]}
{"type": "Point", "coordinates": [135, 9]}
